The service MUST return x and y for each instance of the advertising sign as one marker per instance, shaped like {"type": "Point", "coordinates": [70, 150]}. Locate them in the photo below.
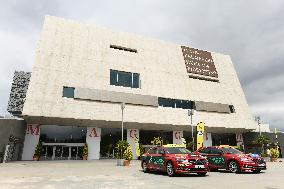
{"type": "Point", "coordinates": [199, 134]}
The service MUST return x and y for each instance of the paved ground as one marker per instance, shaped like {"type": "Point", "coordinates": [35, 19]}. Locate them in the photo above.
{"type": "Point", "coordinates": [103, 174]}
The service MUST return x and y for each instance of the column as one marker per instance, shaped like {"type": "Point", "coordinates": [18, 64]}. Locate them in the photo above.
{"type": "Point", "coordinates": [133, 140]}
{"type": "Point", "coordinates": [93, 140]}
{"type": "Point", "coordinates": [31, 141]}
{"type": "Point", "coordinates": [239, 139]}
{"type": "Point", "coordinates": [207, 139]}
{"type": "Point", "coordinates": [177, 137]}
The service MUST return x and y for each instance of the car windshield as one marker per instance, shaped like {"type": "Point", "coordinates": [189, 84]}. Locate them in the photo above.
{"type": "Point", "coordinates": [177, 150]}
{"type": "Point", "coordinates": [231, 151]}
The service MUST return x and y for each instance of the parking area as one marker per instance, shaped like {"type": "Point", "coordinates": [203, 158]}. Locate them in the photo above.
{"type": "Point", "coordinates": [104, 174]}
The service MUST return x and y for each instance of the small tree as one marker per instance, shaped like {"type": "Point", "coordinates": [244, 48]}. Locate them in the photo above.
{"type": "Point", "coordinates": [262, 140]}
{"type": "Point", "coordinates": [127, 154]}
{"type": "Point", "coordinates": [38, 149]}
{"type": "Point", "coordinates": [85, 151]}
{"type": "Point", "coordinates": [121, 146]}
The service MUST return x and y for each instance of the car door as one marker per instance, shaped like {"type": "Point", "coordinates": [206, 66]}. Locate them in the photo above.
{"type": "Point", "coordinates": [159, 159]}
{"type": "Point", "coordinates": [216, 159]}
{"type": "Point", "coordinates": [149, 158]}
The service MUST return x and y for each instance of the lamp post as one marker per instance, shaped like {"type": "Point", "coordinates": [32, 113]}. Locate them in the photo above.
{"type": "Point", "coordinates": [257, 119]}
{"type": "Point", "coordinates": [122, 109]}
{"type": "Point", "coordinates": [190, 113]}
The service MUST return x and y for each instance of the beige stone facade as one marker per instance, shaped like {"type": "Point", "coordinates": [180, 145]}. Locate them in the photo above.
{"type": "Point", "coordinates": [76, 55]}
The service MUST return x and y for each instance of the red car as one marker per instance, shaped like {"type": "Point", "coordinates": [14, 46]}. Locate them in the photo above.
{"type": "Point", "coordinates": [173, 160]}
{"type": "Point", "coordinates": [229, 158]}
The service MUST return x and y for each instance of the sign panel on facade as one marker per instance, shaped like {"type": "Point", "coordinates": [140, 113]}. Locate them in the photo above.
{"type": "Point", "coordinates": [199, 62]}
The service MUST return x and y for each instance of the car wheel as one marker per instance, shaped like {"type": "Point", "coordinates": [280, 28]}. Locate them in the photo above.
{"type": "Point", "coordinates": [234, 167]}
{"type": "Point", "coordinates": [201, 174]}
{"type": "Point", "coordinates": [256, 171]}
{"type": "Point", "coordinates": [170, 169]}
{"type": "Point", "coordinates": [144, 167]}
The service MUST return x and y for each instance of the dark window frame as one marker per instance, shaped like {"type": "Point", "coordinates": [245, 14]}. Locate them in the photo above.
{"type": "Point", "coordinates": [67, 90]}
{"type": "Point", "coordinates": [123, 81]}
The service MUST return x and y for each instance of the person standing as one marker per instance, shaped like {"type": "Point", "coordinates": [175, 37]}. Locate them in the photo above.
{"type": "Point", "coordinates": [268, 154]}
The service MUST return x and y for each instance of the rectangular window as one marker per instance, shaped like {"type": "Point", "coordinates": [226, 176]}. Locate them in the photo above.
{"type": "Point", "coordinates": [113, 77]}
{"type": "Point", "coordinates": [135, 83]}
{"type": "Point", "coordinates": [68, 92]}
{"type": "Point", "coordinates": [175, 103]}
{"type": "Point", "coordinates": [125, 79]}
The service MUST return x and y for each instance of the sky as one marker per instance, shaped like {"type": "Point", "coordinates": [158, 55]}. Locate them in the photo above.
{"type": "Point", "coordinates": [251, 32]}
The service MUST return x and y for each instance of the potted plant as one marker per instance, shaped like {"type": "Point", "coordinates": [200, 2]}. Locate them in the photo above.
{"type": "Point", "coordinates": [85, 152]}
{"type": "Point", "coordinates": [127, 156]}
{"type": "Point", "coordinates": [274, 154]}
{"type": "Point", "coordinates": [37, 151]}
{"type": "Point", "coordinates": [121, 146]}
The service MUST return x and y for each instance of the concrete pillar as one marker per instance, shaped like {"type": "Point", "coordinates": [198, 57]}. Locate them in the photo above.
{"type": "Point", "coordinates": [239, 139]}
{"type": "Point", "coordinates": [133, 140]}
{"type": "Point", "coordinates": [207, 139]}
{"type": "Point", "coordinates": [177, 137]}
{"type": "Point", "coordinates": [93, 140]}
{"type": "Point", "coordinates": [31, 141]}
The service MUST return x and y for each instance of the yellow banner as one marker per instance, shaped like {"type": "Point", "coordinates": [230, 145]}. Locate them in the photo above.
{"type": "Point", "coordinates": [199, 134]}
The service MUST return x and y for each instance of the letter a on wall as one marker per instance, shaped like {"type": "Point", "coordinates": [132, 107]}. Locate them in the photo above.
{"type": "Point", "coordinates": [199, 135]}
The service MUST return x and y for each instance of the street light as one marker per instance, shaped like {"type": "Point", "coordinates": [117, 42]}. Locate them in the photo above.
{"type": "Point", "coordinates": [122, 108]}
{"type": "Point", "coordinates": [190, 113]}
{"type": "Point", "coordinates": [257, 119]}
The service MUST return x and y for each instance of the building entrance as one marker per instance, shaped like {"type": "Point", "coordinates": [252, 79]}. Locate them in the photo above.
{"type": "Point", "coordinates": [62, 151]}
{"type": "Point", "coordinates": [62, 142]}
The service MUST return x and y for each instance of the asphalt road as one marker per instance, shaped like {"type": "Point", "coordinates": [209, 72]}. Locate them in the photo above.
{"type": "Point", "coordinates": [104, 174]}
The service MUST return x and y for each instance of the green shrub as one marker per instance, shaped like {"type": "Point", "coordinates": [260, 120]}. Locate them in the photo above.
{"type": "Point", "coordinates": [274, 153]}
{"type": "Point", "coordinates": [85, 150]}
{"type": "Point", "coordinates": [127, 154]}
{"type": "Point", "coordinates": [38, 149]}
{"type": "Point", "coordinates": [121, 146]}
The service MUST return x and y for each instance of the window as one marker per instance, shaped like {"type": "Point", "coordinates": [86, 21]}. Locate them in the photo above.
{"type": "Point", "coordinates": [175, 103]}
{"type": "Point", "coordinates": [205, 151]}
{"type": "Point", "coordinates": [125, 79]}
{"type": "Point", "coordinates": [215, 151]}
{"type": "Point", "coordinates": [152, 151]}
{"type": "Point", "coordinates": [232, 109]}
{"type": "Point", "coordinates": [68, 92]}
{"type": "Point", "coordinates": [160, 151]}
{"type": "Point", "coordinates": [123, 48]}
{"type": "Point", "coordinates": [177, 150]}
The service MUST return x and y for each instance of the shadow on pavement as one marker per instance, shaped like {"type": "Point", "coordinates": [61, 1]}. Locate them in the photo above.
{"type": "Point", "coordinates": [178, 175]}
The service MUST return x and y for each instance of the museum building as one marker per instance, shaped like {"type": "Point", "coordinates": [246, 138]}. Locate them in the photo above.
{"type": "Point", "coordinates": [87, 81]}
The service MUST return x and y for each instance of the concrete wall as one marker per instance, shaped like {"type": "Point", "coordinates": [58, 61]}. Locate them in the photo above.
{"type": "Point", "coordinates": [8, 127]}
{"type": "Point", "coordinates": [77, 55]}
